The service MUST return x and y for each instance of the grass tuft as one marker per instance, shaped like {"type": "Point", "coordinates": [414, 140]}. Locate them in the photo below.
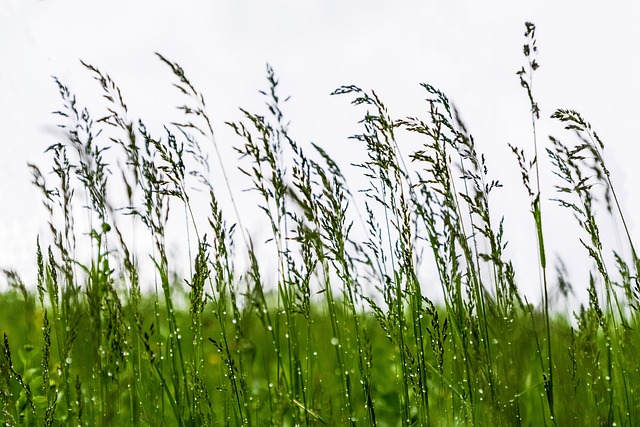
{"type": "Point", "coordinates": [332, 320]}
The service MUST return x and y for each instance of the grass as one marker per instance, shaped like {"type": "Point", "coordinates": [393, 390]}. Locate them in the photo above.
{"type": "Point", "coordinates": [331, 329]}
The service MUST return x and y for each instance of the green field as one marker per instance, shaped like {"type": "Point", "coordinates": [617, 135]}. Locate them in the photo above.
{"type": "Point", "coordinates": [333, 329]}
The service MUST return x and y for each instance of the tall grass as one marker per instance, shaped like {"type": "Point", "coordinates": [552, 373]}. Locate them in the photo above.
{"type": "Point", "coordinates": [325, 327]}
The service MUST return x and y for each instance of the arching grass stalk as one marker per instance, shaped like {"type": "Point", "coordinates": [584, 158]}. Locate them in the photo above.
{"type": "Point", "coordinates": [526, 80]}
{"type": "Point", "coordinates": [88, 168]}
{"type": "Point", "coordinates": [387, 189]}
{"type": "Point", "coordinates": [502, 307]}
{"type": "Point", "coordinates": [466, 302]}
{"type": "Point", "coordinates": [266, 149]}
{"type": "Point", "coordinates": [322, 197]}
{"type": "Point", "coordinates": [333, 207]}
{"type": "Point", "coordinates": [117, 118]}
{"type": "Point", "coordinates": [63, 295]}
{"type": "Point", "coordinates": [224, 297]}
{"type": "Point", "coordinates": [569, 165]}
{"type": "Point", "coordinates": [573, 120]}
{"type": "Point", "coordinates": [323, 235]}
{"type": "Point", "coordinates": [591, 147]}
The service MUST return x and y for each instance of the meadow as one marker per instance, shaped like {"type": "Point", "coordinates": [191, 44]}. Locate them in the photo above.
{"type": "Point", "coordinates": [329, 329]}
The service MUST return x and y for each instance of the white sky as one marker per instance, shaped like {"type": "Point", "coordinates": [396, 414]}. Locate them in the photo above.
{"type": "Point", "coordinates": [469, 49]}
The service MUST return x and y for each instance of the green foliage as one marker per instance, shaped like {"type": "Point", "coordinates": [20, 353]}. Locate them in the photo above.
{"type": "Point", "coordinates": [332, 329]}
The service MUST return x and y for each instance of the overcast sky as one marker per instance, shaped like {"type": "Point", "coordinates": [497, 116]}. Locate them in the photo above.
{"type": "Point", "coordinates": [588, 52]}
